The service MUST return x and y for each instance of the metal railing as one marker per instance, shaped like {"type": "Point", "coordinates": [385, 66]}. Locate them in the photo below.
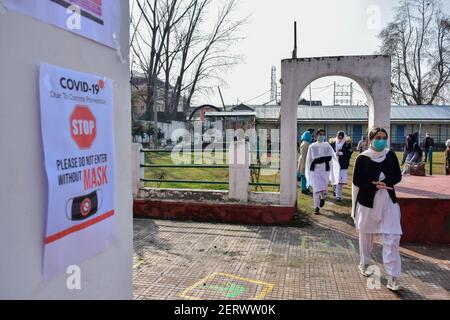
{"type": "Point", "coordinates": [198, 166]}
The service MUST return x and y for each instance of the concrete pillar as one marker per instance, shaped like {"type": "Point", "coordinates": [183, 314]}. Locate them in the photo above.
{"type": "Point", "coordinates": [288, 152]}
{"type": "Point", "coordinates": [239, 171]}
{"type": "Point", "coordinates": [25, 43]}
{"type": "Point", "coordinates": [379, 100]}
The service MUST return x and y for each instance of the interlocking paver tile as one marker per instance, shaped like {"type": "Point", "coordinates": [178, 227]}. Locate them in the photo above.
{"type": "Point", "coordinates": [188, 260]}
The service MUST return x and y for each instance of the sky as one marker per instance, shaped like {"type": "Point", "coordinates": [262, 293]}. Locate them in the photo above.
{"type": "Point", "coordinates": [325, 28]}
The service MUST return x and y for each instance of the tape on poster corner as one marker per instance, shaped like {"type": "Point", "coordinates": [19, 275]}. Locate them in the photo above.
{"type": "Point", "coordinates": [119, 50]}
{"type": "Point", "coordinates": [2, 7]}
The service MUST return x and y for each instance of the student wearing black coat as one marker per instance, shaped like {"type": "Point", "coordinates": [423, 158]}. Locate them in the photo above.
{"type": "Point", "coordinates": [375, 209]}
{"type": "Point", "coordinates": [343, 148]}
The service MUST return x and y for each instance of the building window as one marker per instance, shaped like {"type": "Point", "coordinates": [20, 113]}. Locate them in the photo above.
{"type": "Point", "coordinates": [400, 135]}
{"type": "Point", "coordinates": [357, 132]}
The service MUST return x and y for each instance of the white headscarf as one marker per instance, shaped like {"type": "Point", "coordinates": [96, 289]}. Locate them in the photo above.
{"type": "Point", "coordinates": [339, 145]}
{"type": "Point", "coordinates": [374, 155]}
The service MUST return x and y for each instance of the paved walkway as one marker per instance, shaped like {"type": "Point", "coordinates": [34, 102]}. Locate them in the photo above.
{"type": "Point", "coordinates": [315, 259]}
{"type": "Point", "coordinates": [429, 187]}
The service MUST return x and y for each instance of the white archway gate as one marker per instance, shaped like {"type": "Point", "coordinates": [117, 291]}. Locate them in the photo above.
{"type": "Point", "coordinates": [372, 73]}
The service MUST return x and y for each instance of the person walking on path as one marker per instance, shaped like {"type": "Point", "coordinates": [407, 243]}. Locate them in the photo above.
{"type": "Point", "coordinates": [412, 153]}
{"type": "Point", "coordinates": [362, 144]}
{"type": "Point", "coordinates": [306, 141]}
{"type": "Point", "coordinates": [374, 205]}
{"type": "Point", "coordinates": [320, 169]}
{"type": "Point", "coordinates": [343, 148]}
{"type": "Point", "coordinates": [428, 143]}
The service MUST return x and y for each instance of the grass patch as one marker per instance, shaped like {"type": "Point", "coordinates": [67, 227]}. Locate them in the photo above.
{"type": "Point", "coordinates": [305, 203]}
{"type": "Point", "coordinates": [204, 174]}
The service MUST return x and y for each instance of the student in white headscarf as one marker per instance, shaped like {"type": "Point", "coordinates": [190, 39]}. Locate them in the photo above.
{"type": "Point", "coordinates": [343, 148]}
{"type": "Point", "coordinates": [320, 169]}
{"type": "Point", "coordinates": [375, 209]}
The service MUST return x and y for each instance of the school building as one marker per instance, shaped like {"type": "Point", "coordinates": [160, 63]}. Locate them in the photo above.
{"type": "Point", "coordinates": [432, 119]}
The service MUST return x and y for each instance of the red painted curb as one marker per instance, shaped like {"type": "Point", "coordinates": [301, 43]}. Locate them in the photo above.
{"type": "Point", "coordinates": [213, 212]}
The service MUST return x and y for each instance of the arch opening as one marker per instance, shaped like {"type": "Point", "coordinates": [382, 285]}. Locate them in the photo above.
{"type": "Point", "coordinates": [337, 95]}
{"type": "Point", "coordinates": [371, 73]}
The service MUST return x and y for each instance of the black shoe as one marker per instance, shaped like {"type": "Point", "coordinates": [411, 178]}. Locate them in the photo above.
{"type": "Point", "coordinates": [322, 202]}
{"type": "Point", "coordinates": [317, 211]}
{"type": "Point", "coordinates": [307, 192]}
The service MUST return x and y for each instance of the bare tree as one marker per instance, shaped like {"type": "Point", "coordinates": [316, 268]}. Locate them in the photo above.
{"type": "Point", "coordinates": [216, 55]}
{"type": "Point", "coordinates": [186, 39]}
{"type": "Point", "coordinates": [150, 34]}
{"type": "Point", "coordinates": [172, 43]}
{"type": "Point", "coordinates": [418, 40]}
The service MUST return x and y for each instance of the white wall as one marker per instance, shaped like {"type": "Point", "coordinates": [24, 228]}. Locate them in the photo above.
{"type": "Point", "coordinates": [169, 128]}
{"type": "Point", "coordinates": [24, 44]}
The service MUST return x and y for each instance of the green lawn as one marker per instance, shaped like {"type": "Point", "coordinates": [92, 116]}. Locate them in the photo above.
{"type": "Point", "coordinates": [205, 174]}
{"type": "Point", "coordinates": [271, 176]}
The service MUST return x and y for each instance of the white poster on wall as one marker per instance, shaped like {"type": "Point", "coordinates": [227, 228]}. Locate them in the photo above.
{"type": "Point", "coordinates": [98, 20]}
{"type": "Point", "coordinates": [78, 140]}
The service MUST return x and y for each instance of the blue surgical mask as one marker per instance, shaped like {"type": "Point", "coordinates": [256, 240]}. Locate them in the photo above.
{"type": "Point", "coordinates": [379, 145]}
{"type": "Point", "coordinates": [322, 139]}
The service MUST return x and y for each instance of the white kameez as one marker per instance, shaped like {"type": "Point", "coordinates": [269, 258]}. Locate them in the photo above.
{"type": "Point", "coordinates": [383, 218]}
{"type": "Point", "coordinates": [319, 178]}
{"type": "Point", "coordinates": [343, 173]}
{"type": "Point", "coordinates": [343, 176]}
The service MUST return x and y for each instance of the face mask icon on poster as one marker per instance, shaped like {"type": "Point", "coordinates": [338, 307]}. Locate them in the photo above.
{"type": "Point", "coordinates": [83, 207]}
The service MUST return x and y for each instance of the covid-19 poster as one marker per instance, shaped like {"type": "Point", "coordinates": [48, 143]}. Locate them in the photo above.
{"type": "Point", "coordinates": [98, 20]}
{"type": "Point", "coordinates": [78, 140]}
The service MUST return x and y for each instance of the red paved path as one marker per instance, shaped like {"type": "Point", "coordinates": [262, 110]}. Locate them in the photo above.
{"type": "Point", "coordinates": [431, 187]}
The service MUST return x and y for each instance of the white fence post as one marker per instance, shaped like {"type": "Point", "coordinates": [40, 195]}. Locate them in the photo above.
{"type": "Point", "coordinates": [239, 171]}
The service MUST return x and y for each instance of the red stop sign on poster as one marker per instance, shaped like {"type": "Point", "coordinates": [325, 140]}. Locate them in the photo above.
{"type": "Point", "coordinates": [83, 126]}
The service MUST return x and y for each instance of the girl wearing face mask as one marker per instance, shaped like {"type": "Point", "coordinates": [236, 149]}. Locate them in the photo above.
{"type": "Point", "coordinates": [344, 152]}
{"type": "Point", "coordinates": [375, 209]}
{"type": "Point", "coordinates": [319, 169]}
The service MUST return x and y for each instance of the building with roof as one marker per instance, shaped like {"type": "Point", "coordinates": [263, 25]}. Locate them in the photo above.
{"type": "Point", "coordinates": [432, 119]}
{"type": "Point", "coordinates": [139, 107]}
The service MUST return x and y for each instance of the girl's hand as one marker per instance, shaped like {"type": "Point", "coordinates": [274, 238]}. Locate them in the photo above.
{"type": "Point", "coordinates": [381, 185]}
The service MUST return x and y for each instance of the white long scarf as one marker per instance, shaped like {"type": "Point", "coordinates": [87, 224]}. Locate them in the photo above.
{"type": "Point", "coordinates": [375, 156]}
{"type": "Point", "coordinates": [339, 145]}
{"type": "Point", "coordinates": [318, 150]}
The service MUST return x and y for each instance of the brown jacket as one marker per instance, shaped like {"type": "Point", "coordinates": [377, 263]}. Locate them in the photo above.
{"type": "Point", "coordinates": [302, 157]}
